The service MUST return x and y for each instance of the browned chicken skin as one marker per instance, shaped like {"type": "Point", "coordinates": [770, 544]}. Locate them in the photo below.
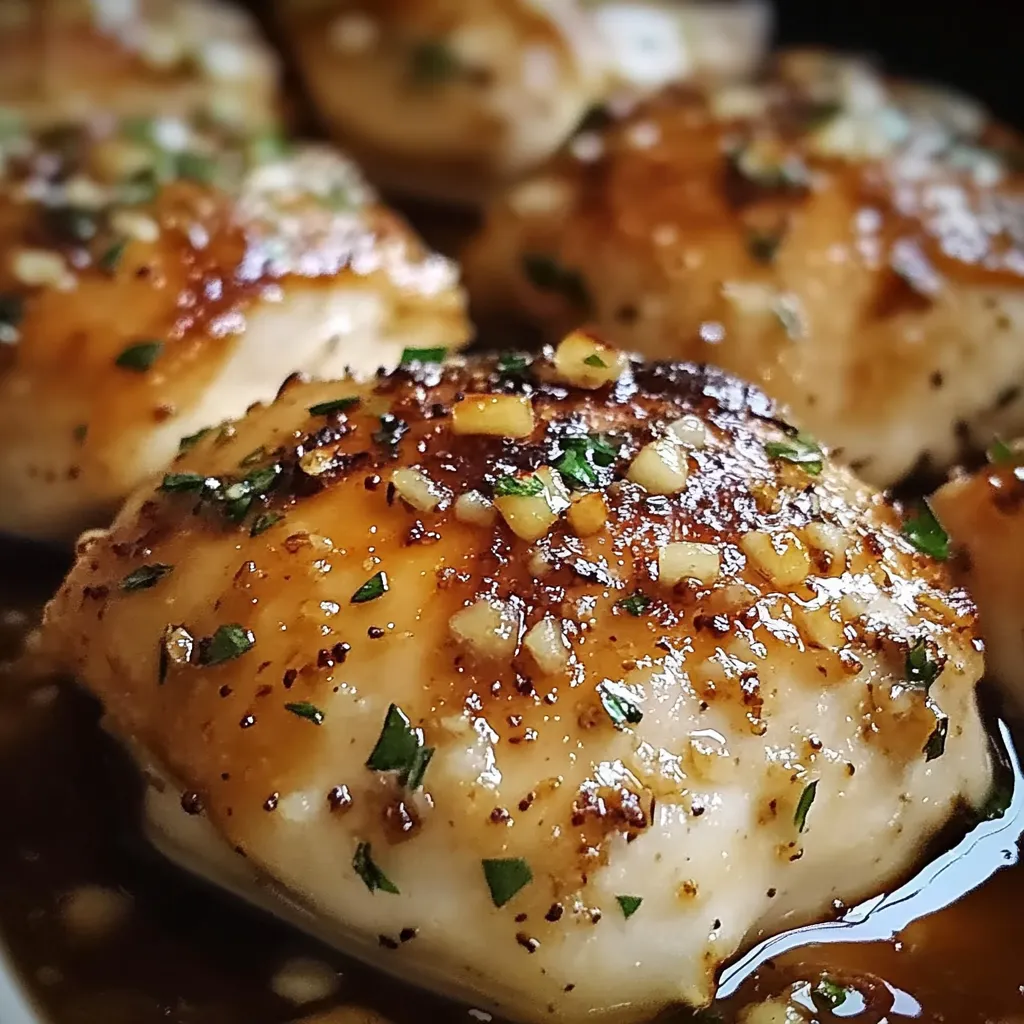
{"type": "Point", "coordinates": [534, 664]}
{"type": "Point", "coordinates": [853, 245]}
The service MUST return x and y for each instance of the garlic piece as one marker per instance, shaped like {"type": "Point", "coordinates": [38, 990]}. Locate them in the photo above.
{"type": "Point", "coordinates": [689, 430]}
{"type": "Point", "coordinates": [475, 509]}
{"type": "Point", "coordinates": [660, 467]}
{"type": "Point", "coordinates": [780, 558]}
{"type": "Point", "coordinates": [586, 363]}
{"type": "Point", "coordinates": [688, 560]}
{"type": "Point", "coordinates": [493, 415]}
{"type": "Point", "coordinates": [417, 489]}
{"type": "Point", "coordinates": [488, 628]}
{"type": "Point", "coordinates": [531, 516]}
{"type": "Point", "coordinates": [40, 268]}
{"type": "Point", "coordinates": [587, 515]}
{"type": "Point", "coordinates": [548, 646]}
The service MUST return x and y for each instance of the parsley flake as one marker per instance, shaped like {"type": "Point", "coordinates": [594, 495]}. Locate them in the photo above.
{"type": "Point", "coordinates": [925, 532]}
{"type": "Point", "coordinates": [80, 432]}
{"type": "Point", "coordinates": [546, 274]}
{"type": "Point", "coordinates": [518, 487]}
{"type": "Point", "coordinates": [804, 805]}
{"type": "Point", "coordinates": [186, 444]}
{"type": "Point", "coordinates": [376, 586]}
{"type": "Point", "coordinates": [178, 482]}
{"type": "Point", "coordinates": [800, 449]}
{"type": "Point", "coordinates": [595, 360]}
{"type": "Point", "coordinates": [636, 604]}
{"type": "Point", "coordinates": [829, 994]}
{"type": "Point", "coordinates": [334, 405]}
{"type": "Point", "coordinates": [303, 709]}
{"type": "Point", "coordinates": [505, 877]}
{"type": "Point", "coordinates": [1001, 454]}
{"type": "Point", "coordinates": [111, 256]}
{"type": "Point", "coordinates": [140, 356]}
{"type": "Point", "coordinates": [400, 748]}
{"type": "Point", "coordinates": [145, 576]}
{"type": "Point", "coordinates": [433, 61]}
{"type": "Point", "coordinates": [936, 745]}
{"type": "Point", "coordinates": [580, 456]}
{"type": "Point", "coordinates": [423, 355]}
{"type": "Point", "coordinates": [620, 704]}
{"type": "Point", "coordinates": [512, 364]}
{"type": "Point", "coordinates": [763, 245]}
{"type": "Point", "coordinates": [921, 669]}
{"type": "Point", "coordinates": [226, 644]}
{"type": "Point", "coordinates": [372, 876]}
{"type": "Point", "coordinates": [629, 905]}
{"type": "Point", "coordinates": [264, 521]}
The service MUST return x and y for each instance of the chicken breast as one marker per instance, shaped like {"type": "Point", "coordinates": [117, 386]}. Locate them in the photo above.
{"type": "Point", "coordinates": [983, 513]}
{"type": "Point", "coordinates": [156, 279]}
{"type": "Point", "coordinates": [447, 98]}
{"type": "Point", "coordinates": [549, 685]}
{"type": "Point", "coordinates": [62, 59]}
{"type": "Point", "coordinates": [854, 246]}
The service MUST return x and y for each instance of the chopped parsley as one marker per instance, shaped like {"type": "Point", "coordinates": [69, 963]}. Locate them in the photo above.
{"type": "Point", "coordinates": [619, 703]}
{"type": "Point", "coordinates": [226, 644]}
{"type": "Point", "coordinates": [334, 405]}
{"type": "Point", "coordinates": [1001, 454]}
{"type": "Point", "coordinates": [580, 456]}
{"type": "Point", "coordinates": [186, 444]}
{"type": "Point", "coordinates": [921, 669]}
{"type": "Point", "coordinates": [433, 61]}
{"type": "Point", "coordinates": [376, 586]}
{"type": "Point", "coordinates": [423, 355]}
{"type": "Point", "coordinates": [505, 877]}
{"type": "Point", "coordinates": [267, 147]}
{"type": "Point", "coordinates": [372, 876]}
{"type": "Point", "coordinates": [925, 532]}
{"type": "Point", "coordinates": [804, 805]}
{"type": "Point", "coordinates": [936, 745]}
{"type": "Point", "coordinates": [763, 245]}
{"type": "Point", "coordinates": [140, 356]}
{"type": "Point", "coordinates": [546, 274]}
{"type": "Point", "coordinates": [636, 604]}
{"type": "Point", "coordinates": [829, 994]}
{"type": "Point", "coordinates": [800, 449]}
{"type": "Point", "coordinates": [80, 432]}
{"type": "Point", "coordinates": [195, 167]}
{"type": "Point", "coordinates": [264, 521]}
{"type": "Point", "coordinates": [303, 709]}
{"type": "Point", "coordinates": [239, 496]}
{"type": "Point", "coordinates": [145, 576]}
{"type": "Point", "coordinates": [110, 258]}
{"type": "Point", "coordinates": [518, 487]}
{"type": "Point", "coordinates": [595, 360]}
{"type": "Point", "coordinates": [256, 455]}
{"type": "Point", "coordinates": [512, 365]}
{"type": "Point", "coordinates": [400, 748]}
{"type": "Point", "coordinates": [179, 482]}
{"type": "Point", "coordinates": [629, 905]}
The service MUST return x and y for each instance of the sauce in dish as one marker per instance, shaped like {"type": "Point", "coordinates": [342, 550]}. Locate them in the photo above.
{"type": "Point", "coordinates": [102, 931]}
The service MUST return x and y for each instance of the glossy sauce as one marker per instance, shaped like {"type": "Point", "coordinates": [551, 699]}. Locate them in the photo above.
{"type": "Point", "coordinates": [188, 955]}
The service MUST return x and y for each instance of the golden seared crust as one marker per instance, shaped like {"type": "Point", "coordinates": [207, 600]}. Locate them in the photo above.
{"type": "Point", "coordinates": [156, 278]}
{"type": "Point", "coordinates": [62, 59]}
{"type": "Point", "coordinates": [640, 623]}
{"type": "Point", "coordinates": [853, 245]}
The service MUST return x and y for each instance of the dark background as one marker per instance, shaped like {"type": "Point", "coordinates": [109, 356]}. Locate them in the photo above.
{"type": "Point", "coordinates": [977, 45]}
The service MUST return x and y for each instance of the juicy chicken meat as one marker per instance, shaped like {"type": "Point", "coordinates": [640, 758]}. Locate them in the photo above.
{"type": "Point", "coordinates": [854, 246]}
{"type": "Point", "coordinates": [548, 684]}
{"type": "Point", "coordinates": [62, 59]}
{"type": "Point", "coordinates": [448, 98]}
{"type": "Point", "coordinates": [156, 279]}
{"type": "Point", "coordinates": [984, 514]}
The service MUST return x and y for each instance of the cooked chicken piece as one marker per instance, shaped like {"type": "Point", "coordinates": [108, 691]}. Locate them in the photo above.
{"type": "Point", "coordinates": [448, 98]}
{"type": "Point", "coordinates": [155, 280]}
{"type": "Point", "coordinates": [62, 59]}
{"type": "Point", "coordinates": [856, 247]}
{"type": "Point", "coordinates": [548, 685]}
{"type": "Point", "coordinates": [984, 514]}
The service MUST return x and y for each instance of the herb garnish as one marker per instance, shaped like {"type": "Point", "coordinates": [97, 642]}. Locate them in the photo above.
{"type": "Point", "coordinates": [829, 994]}
{"type": "Point", "coordinates": [140, 356]}
{"type": "Point", "coordinates": [629, 905]}
{"type": "Point", "coordinates": [925, 532]}
{"type": "Point", "coordinates": [80, 432]}
{"type": "Point", "coordinates": [921, 670]}
{"type": "Point", "coordinates": [423, 355]}
{"type": "Point", "coordinates": [188, 443]}
{"type": "Point", "coordinates": [1001, 454]}
{"type": "Point", "coordinates": [801, 449]}
{"type": "Point", "coordinates": [505, 877]}
{"type": "Point", "coordinates": [111, 256]}
{"type": "Point", "coordinates": [376, 586]}
{"type": "Point", "coordinates": [268, 146]}
{"type": "Point", "coordinates": [636, 604]}
{"type": "Point", "coordinates": [177, 482]}
{"type": "Point", "coordinates": [306, 710]}
{"type": "Point", "coordinates": [595, 360]}
{"type": "Point", "coordinates": [620, 704]}
{"type": "Point", "coordinates": [264, 521]}
{"type": "Point", "coordinates": [433, 61]}
{"type": "Point", "coordinates": [195, 167]}
{"type": "Point", "coordinates": [546, 274]}
{"type": "Point", "coordinates": [334, 405]}
{"type": "Point", "coordinates": [400, 748]}
{"type": "Point", "coordinates": [145, 576]}
{"type": "Point", "coordinates": [239, 496]}
{"type": "Point", "coordinates": [763, 245]}
{"type": "Point", "coordinates": [367, 870]}
{"type": "Point", "coordinates": [518, 487]}
{"type": "Point", "coordinates": [227, 643]}
{"type": "Point", "coordinates": [804, 805]}
{"type": "Point", "coordinates": [936, 745]}
{"type": "Point", "coordinates": [512, 364]}
{"type": "Point", "coordinates": [580, 456]}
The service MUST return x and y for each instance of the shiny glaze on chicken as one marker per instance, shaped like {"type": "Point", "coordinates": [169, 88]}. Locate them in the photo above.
{"type": "Point", "coordinates": [62, 59]}
{"type": "Point", "coordinates": [156, 278]}
{"type": "Point", "coordinates": [547, 683]}
{"type": "Point", "coordinates": [855, 246]}
{"type": "Point", "coordinates": [450, 98]}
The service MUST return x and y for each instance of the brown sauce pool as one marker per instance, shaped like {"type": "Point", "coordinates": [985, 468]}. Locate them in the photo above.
{"type": "Point", "coordinates": [946, 947]}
